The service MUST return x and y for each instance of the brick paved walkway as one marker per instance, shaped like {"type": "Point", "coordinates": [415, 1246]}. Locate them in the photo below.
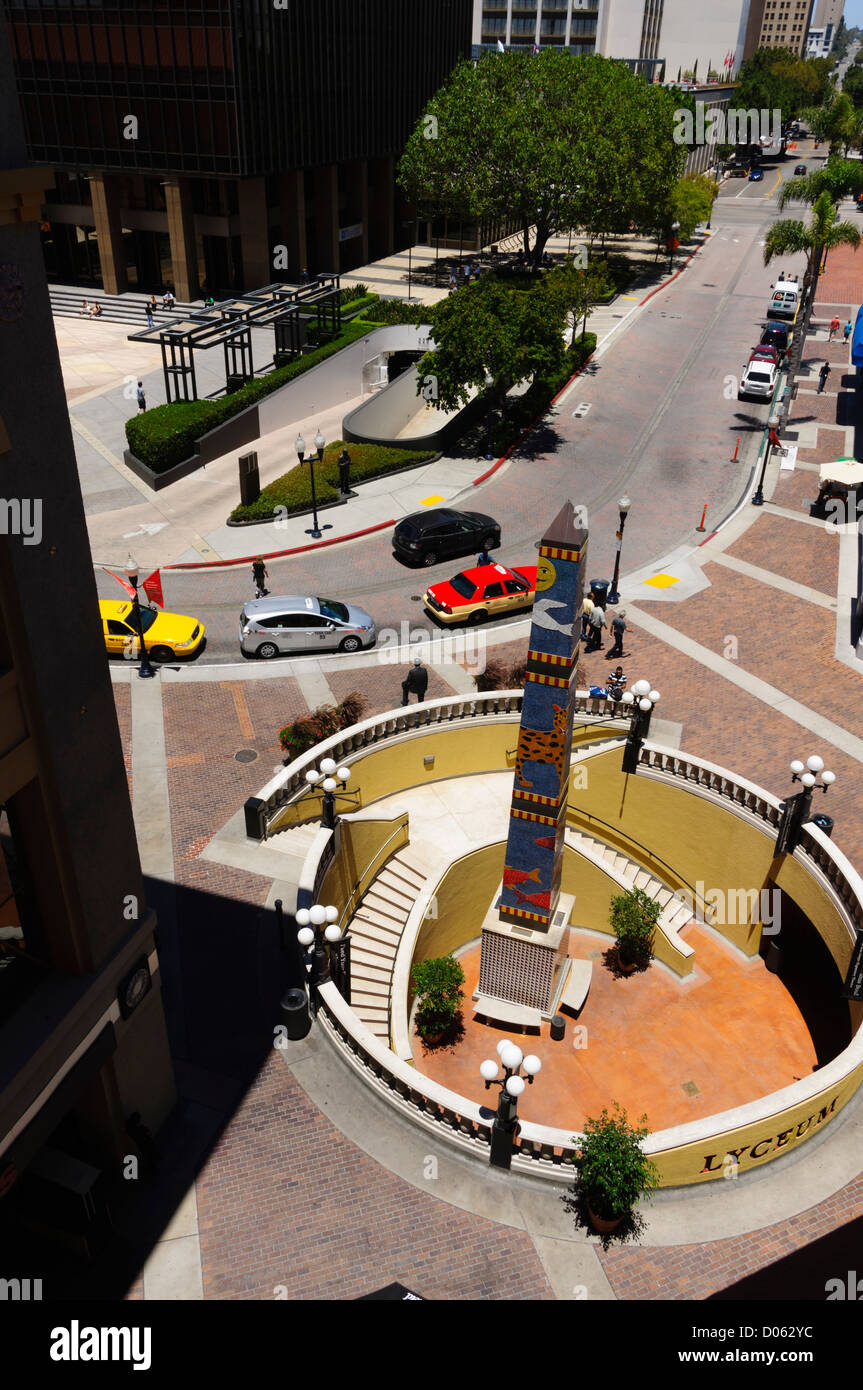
{"type": "Point", "coordinates": [265, 1218]}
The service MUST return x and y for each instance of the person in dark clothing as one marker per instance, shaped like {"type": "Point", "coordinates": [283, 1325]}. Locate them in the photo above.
{"type": "Point", "coordinates": [141, 398]}
{"type": "Point", "coordinates": [484, 558]}
{"type": "Point", "coordinates": [416, 682]}
{"type": "Point", "coordinates": [260, 576]}
{"type": "Point", "coordinates": [618, 628]}
{"type": "Point", "coordinates": [616, 683]}
{"type": "Point", "coordinates": [822, 376]}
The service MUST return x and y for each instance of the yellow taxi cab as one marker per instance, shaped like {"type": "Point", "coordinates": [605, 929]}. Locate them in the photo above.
{"type": "Point", "coordinates": [166, 635]}
{"type": "Point", "coordinates": [487, 591]}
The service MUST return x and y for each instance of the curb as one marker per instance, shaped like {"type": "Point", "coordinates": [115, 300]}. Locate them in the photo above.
{"type": "Point", "coordinates": [276, 554]}
{"type": "Point", "coordinates": [671, 279]}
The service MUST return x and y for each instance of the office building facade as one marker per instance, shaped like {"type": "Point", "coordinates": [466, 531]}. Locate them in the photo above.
{"type": "Point", "coordinates": [194, 139]}
{"type": "Point", "coordinates": [83, 1040]}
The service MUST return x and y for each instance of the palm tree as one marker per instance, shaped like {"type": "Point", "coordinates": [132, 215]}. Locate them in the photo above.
{"type": "Point", "coordinates": [791, 236]}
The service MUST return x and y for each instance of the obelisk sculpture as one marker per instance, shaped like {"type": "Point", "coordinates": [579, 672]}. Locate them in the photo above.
{"type": "Point", "coordinates": [525, 934]}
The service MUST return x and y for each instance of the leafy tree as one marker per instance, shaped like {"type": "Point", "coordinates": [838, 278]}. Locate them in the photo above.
{"type": "Point", "coordinates": [691, 203]}
{"type": "Point", "coordinates": [853, 84]}
{"type": "Point", "coordinates": [840, 178]}
{"type": "Point", "coordinates": [824, 230]}
{"type": "Point", "coordinates": [577, 290]}
{"type": "Point", "coordinates": [493, 328]}
{"type": "Point", "coordinates": [779, 79]}
{"type": "Point", "coordinates": [555, 142]}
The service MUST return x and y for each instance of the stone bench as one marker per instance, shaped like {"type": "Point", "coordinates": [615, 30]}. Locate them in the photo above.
{"type": "Point", "coordinates": [503, 1011]}
{"type": "Point", "coordinates": [577, 986]}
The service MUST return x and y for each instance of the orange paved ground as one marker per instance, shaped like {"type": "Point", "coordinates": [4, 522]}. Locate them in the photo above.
{"type": "Point", "coordinates": [734, 1031]}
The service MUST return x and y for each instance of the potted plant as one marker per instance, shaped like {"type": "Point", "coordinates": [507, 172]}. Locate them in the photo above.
{"type": "Point", "coordinates": [613, 1169]}
{"type": "Point", "coordinates": [438, 983]}
{"type": "Point", "coordinates": [633, 917]}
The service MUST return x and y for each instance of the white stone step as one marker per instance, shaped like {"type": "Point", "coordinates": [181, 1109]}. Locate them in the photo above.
{"type": "Point", "coordinates": [643, 879]}
{"type": "Point", "coordinates": [369, 992]}
{"type": "Point", "coordinates": [408, 871]}
{"type": "Point", "coordinates": [370, 1008]}
{"type": "Point", "coordinates": [375, 901]}
{"type": "Point", "coordinates": [395, 892]}
{"type": "Point", "coordinates": [380, 1030]}
{"type": "Point", "coordinates": [371, 949]}
{"type": "Point", "coordinates": [661, 895]}
{"type": "Point", "coordinates": [630, 870]}
{"type": "Point", "coordinates": [374, 924]}
{"type": "Point", "coordinates": [369, 966]}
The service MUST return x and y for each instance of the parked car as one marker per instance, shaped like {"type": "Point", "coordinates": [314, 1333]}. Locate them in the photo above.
{"type": "Point", "coordinates": [755, 175]}
{"type": "Point", "coordinates": [758, 378]}
{"type": "Point", "coordinates": [765, 352]}
{"type": "Point", "coordinates": [486, 591]}
{"type": "Point", "coordinates": [785, 299]}
{"type": "Point", "coordinates": [800, 169]}
{"type": "Point", "coordinates": [776, 334]}
{"type": "Point", "coordinates": [269, 626]}
{"type": "Point", "coordinates": [441, 534]}
{"type": "Point", "coordinates": [166, 635]}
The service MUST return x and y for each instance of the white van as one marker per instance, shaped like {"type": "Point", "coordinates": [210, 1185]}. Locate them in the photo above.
{"type": "Point", "coordinates": [784, 300]}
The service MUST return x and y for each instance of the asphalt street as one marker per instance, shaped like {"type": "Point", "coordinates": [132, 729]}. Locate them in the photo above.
{"type": "Point", "coordinates": [662, 425]}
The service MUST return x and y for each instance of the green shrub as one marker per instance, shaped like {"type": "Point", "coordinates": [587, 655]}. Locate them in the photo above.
{"type": "Point", "coordinates": [293, 491]}
{"type": "Point", "coordinates": [613, 1169]}
{"type": "Point", "coordinates": [438, 984]}
{"type": "Point", "coordinates": [321, 723]}
{"type": "Point", "coordinates": [166, 435]}
{"type": "Point", "coordinates": [633, 917]}
{"type": "Point", "coordinates": [387, 311]}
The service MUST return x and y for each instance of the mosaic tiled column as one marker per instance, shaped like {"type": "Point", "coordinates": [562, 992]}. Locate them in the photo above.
{"type": "Point", "coordinates": [523, 951]}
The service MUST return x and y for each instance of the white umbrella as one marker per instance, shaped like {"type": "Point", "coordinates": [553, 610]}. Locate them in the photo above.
{"type": "Point", "coordinates": [846, 471]}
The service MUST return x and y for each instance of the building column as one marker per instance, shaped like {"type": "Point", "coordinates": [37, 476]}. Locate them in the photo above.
{"type": "Point", "coordinates": [326, 220]}
{"type": "Point", "coordinates": [381, 204]}
{"type": "Point", "coordinates": [109, 234]}
{"type": "Point", "coordinates": [357, 186]}
{"type": "Point", "coordinates": [181, 231]}
{"type": "Point", "coordinates": [254, 233]}
{"type": "Point", "coordinates": [292, 196]}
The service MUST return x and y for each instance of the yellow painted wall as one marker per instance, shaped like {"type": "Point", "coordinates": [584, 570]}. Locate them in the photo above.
{"type": "Point", "coordinates": [706, 1160]}
{"type": "Point", "coordinates": [593, 891]}
{"type": "Point", "coordinates": [365, 847]}
{"type": "Point", "coordinates": [460, 749]}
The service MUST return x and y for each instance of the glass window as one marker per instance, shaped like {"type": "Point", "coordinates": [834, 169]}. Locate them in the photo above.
{"type": "Point", "coordinates": [494, 591]}
{"type": "Point", "coordinates": [513, 586]}
{"type": "Point", "coordinates": [463, 586]}
{"type": "Point", "coordinates": [331, 609]}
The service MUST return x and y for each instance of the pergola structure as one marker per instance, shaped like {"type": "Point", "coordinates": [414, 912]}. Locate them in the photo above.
{"type": "Point", "coordinates": [230, 324]}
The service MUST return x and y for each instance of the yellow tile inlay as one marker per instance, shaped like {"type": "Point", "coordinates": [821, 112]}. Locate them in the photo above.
{"type": "Point", "coordinates": [662, 581]}
{"type": "Point", "coordinates": [431, 501]}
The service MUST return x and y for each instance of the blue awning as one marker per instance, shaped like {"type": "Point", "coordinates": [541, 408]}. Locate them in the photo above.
{"type": "Point", "coordinates": [857, 341]}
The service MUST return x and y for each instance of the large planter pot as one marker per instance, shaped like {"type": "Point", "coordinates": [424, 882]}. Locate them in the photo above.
{"type": "Point", "coordinates": [601, 1226]}
{"type": "Point", "coordinates": [626, 967]}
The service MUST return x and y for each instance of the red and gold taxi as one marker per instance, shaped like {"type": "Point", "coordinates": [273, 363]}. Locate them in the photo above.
{"type": "Point", "coordinates": [488, 591]}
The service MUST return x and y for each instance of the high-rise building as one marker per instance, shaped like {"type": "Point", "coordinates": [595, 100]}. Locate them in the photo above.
{"type": "Point", "coordinates": [83, 1042]}
{"type": "Point", "coordinates": [192, 137]}
{"type": "Point", "coordinates": [778, 24]}
{"type": "Point", "coordinates": [517, 24]}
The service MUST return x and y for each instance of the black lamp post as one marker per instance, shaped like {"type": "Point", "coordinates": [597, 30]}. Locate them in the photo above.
{"type": "Point", "coordinates": [644, 700]}
{"type": "Point", "coordinates": [796, 810]}
{"type": "Point", "coordinates": [316, 531]}
{"type": "Point", "coordinates": [489, 383]}
{"type": "Point", "coordinates": [145, 669]}
{"type": "Point", "coordinates": [773, 425]}
{"type": "Point", "coordinates": [623, 505]}
{"type": "Point", "coordinates": [505, 1126]}
{"type": "Point", "coordinates": [318, 931]}
{"type": "Point", "coordinates": [330, 777]}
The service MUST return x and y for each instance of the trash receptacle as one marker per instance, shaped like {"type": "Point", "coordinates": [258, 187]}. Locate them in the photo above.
{"type": "Point", "coordinates": [599, 591]}
{"type": "Point", "coordinates": [824, 823]}
{"type": "Point", "coordinates": [294, 1009]}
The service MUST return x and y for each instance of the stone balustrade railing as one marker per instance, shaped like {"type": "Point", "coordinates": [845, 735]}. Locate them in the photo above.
{"type": "Point", "coordinates": [290, 785]}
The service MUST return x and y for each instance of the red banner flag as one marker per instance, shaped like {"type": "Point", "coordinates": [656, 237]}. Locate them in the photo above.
{"type": "Point", "coordinates": [126, 585]}
{"type": "Point", "coordinates": [152, 587]}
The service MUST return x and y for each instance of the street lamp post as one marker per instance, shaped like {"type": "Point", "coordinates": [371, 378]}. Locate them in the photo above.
{"type": "Point", "coordinates": [318, 930]}
{"type": "Point", "coordinates": [316, 531]}
{"type": "Point", "coordinates": [675, 226]}
{"type": "Point", "coordinates": [145, 669]}
{"type": "Point", "coordinates": [644, 700]}
{"type": "Point", "coordinates": [796, 810]}
{"type": "Point", "coordinates": [505, 1126]}
{"type": "Point", "coordinates": [623, 505]}
{"type": "Point", "coordinates": [329, 777]}
{"type": "Point", "coordinates": [489, 383]}
{"type": "Point", "coordinates": [773, 425]}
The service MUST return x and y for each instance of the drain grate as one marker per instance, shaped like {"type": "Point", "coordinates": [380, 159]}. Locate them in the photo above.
{"type": "Point", "coordinates": [245, 755]}
{"type": "Point", "coordinates": [690, 1088]}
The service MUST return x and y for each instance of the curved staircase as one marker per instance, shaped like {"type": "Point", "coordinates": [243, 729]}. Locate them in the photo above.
{"type": "Point", "coordinates": [375, 932]}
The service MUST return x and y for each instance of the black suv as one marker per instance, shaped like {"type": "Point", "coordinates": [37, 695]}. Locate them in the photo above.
{"type": "Point", "coordinates": [426, 537]}
{"type": "Point", "coordinates": [776, 334]}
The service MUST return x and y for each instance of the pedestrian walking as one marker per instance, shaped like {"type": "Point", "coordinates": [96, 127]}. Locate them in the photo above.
{"type": "Point", "coordinates": [596, 622]}
{"type": "Point", "coordinates": [416, 682]}
{"type": "Point", "coordinates": [453, 283]}
{"type": "Point", "coordinates": [260, 576]}
{"type": "Point", "coordinates": [141, 398]}
{"type": "Point", "coordinates": [484, 558]}
{"type": "Point", "coordinates": [304, 278]}
{"type": "Point", "coordinates": [847, 330]}
{"type": "Point", "coordinates": [149, 312]}
{"type": "Point", "coordinates": [834, 328]}
{"type": "Point", "coordinates": [586, 610]}
{"type": "Point", "coordinates": [822, 376]}
{"type": "Point", "coordinates": [618, 628]}
{"type": "Point", "coordinates": [615, 684]}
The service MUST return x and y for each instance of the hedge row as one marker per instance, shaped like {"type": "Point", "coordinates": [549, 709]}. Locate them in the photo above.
{"type": "Point", "coordinates": [388, 311]}
{"type": "Point", "coordinates": [293, 490]}
{"type": "Point", "coordinates": [166, 435]}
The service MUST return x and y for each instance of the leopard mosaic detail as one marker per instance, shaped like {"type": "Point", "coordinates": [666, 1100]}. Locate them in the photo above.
{"type": "Point", "coordinates": [542, 746]}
